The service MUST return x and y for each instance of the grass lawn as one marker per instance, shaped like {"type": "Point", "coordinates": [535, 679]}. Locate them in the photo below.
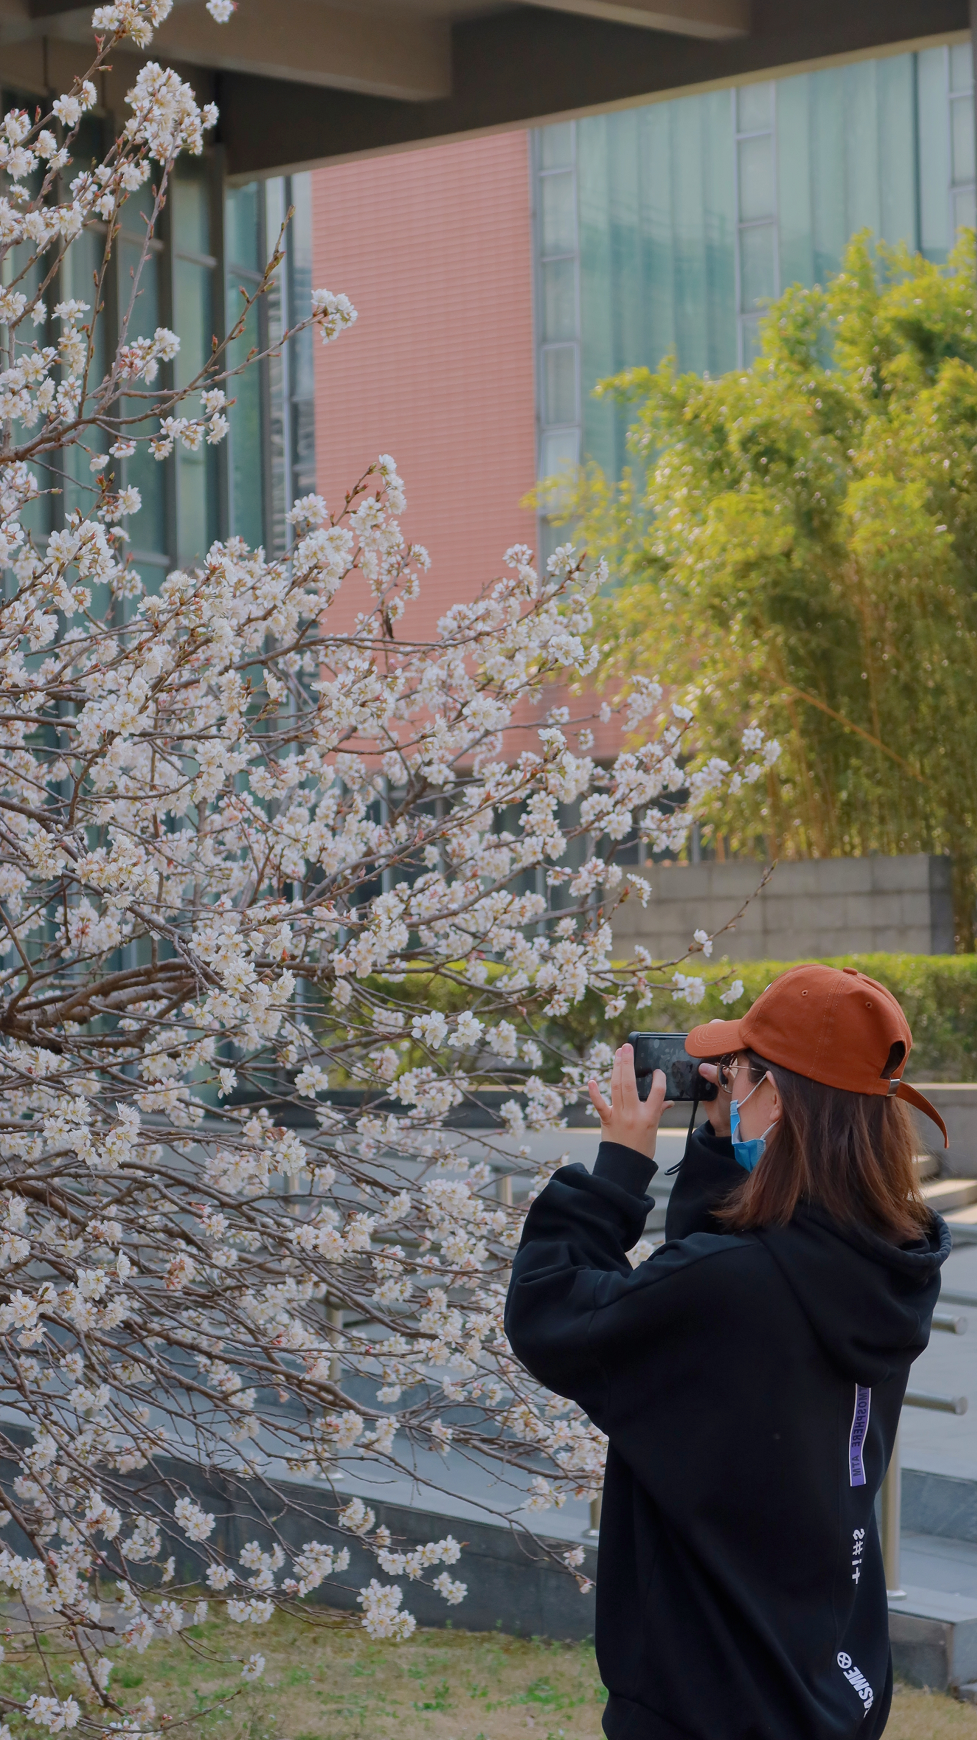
{"type": "Point", "coordinates": [325, 1680]}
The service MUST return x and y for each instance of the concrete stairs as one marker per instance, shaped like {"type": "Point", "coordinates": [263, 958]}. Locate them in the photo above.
{"type": "Point", "coordinates": [954, 1198]}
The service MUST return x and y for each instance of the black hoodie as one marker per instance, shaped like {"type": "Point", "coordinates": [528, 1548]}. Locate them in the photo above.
{"type": "Point", "coordinates": [750, 1386]}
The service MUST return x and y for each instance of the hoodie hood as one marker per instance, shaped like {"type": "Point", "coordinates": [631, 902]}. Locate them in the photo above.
{"type": "Point", "coordinates": [868, 1302]}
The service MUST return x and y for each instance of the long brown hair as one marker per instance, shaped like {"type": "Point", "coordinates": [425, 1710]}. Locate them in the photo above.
{"type": "Point", "coordinates": [850, 1154]}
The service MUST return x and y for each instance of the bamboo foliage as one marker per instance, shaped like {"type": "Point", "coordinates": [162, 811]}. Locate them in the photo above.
{"type": "Point", "coordinates": [797, 541]}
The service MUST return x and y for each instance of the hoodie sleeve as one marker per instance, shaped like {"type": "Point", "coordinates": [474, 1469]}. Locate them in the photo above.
{"type": "Point", "coordinates": [586, 1324]}
{"type": "Point", "coordinates": [706, 1177]}
{"type": "Point", "coordinates": [572, 1259]}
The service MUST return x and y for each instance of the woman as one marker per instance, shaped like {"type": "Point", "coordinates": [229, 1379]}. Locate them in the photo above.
{"type": "Point", "coordinates": [749, 1375]}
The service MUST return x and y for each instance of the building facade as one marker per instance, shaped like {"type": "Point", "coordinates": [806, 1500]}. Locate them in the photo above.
{"type": "Point", "coordinates": [664, 229]}
{"type": "Point", "coordinates": [434, 248]}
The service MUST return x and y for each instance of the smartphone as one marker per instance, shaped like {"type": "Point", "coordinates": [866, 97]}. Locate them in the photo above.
{"type": "Point", "coordinates": [667, 1051]}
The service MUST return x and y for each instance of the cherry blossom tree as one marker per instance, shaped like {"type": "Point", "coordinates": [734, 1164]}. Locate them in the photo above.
{"type": "Point", "coordinates": [280, 904]}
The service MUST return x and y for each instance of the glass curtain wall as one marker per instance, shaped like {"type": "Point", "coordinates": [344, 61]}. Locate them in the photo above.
{"type": "Point", "coordinates": [663, 230]}
{"type": "Point", "coordinates": [212, 242]}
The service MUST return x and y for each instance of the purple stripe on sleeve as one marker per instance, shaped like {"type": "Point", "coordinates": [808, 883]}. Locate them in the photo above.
{"type": "Point", "coordinates": [856, 1440]}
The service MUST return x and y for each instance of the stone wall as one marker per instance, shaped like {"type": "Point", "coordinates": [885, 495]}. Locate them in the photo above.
{"type": "Point", "coordinates": [810, 908]}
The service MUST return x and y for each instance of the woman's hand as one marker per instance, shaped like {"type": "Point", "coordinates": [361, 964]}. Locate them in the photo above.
{"type": "Point", "coordinates": [628, 1120]}
{"type": "Point", "coordinates": [718, 1109]}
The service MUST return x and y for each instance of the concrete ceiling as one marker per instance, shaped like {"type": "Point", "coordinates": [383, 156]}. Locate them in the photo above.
{"type": "Point", "coordinates": [397, 49]}
{"type": "Point", "coordinates": [311, 81]}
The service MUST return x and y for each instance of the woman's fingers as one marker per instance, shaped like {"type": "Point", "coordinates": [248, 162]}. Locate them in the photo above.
{"type": "Point", "coordinates": [655, 1102]}
{"type": "Point", "coordinates": [710, 1071]}
{"type": "Point", "coordinates": [630, 1102]}
{"type": "Point", "coordinates": [598, 1101]}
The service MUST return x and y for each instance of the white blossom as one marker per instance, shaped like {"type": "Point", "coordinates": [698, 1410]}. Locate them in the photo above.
{"type": "Point", "coordinates": [281, 898]}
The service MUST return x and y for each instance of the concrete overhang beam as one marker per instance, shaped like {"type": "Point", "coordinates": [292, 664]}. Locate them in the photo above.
{"type": "Point", "coordinates": [712, 20]}
{"type": "Point", "coordinates": [401, 56]}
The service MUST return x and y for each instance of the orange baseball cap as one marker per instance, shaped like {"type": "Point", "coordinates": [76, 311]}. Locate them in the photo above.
{"type": "Point", "coordinates": [832, 1024]}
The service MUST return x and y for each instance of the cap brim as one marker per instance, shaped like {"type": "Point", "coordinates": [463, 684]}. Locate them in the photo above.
{"type": "Point", "coordinates": [715, 1039]}
{"type": "Point", "coordinates": [905, 1091]}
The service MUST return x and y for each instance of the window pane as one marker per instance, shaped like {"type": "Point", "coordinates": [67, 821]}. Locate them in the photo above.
{"type": "Point", "coordinates": [241, 227]}
{"type": "Point", "coordinates": [558, 449]}
{"type": "Point", "coordinates": [138, 207]}
{"type": "Point", "coordinates": [751, 339]}
{"type": "Point", "coordinates": [82, 261]}
{"type": "Point", "coordinates": [560, 384]}
{"type": "Point", "coordinates": [558, 280]}
{"type": "Point", "coordinates": [556, 148]}
{"type": "Point", "coordinates": [934, 152]}
{"type": "Point", "coordinates": [192, 317]}
{"type": "Point", "coordinates": [756, 178]}
{"type": "Point", "coordinates": [244, 416]}
{"type": "Point", "coordinates": [301, 362]}
{"type": "Point", "coordinates": [558, 213]}
{"type": "Point", "coordinates": [754, 108]}
{"type": "Point", "coordinates": [961, 67]}
{"type": "Point", "coordinates": [196, 490]}
{"type": "Point", "coordinates": [962, 137]}
{"type": "Point", "coordinates": [758, 278]}
{"type": "Point", "coordinates": [191, 207]}
{"type": "Point", "coordinates": [148, 529]}
{"type": "Point", "coordinates": [964, 209]}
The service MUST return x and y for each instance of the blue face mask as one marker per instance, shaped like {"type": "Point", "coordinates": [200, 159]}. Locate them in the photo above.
{"type": "Point", "coordinates": [747, 1153]}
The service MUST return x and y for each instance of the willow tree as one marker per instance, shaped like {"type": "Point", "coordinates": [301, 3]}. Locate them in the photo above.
{"type": "Point", "coordinates": [797, 541]}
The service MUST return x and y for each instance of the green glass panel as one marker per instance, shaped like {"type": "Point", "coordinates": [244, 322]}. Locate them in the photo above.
{"type": "Point", "coordinates": [247, 518]}
{"type": "Point", "coordinates": [241, 227]}
{"type": "Point", "coordinates": [964, 208]}
{"type": "Point", "coordinates": [196, 472]}
{"type": "Point", "coordinates": [138, 208]}
{"type": "Point", "coordinates": [559, 449]}
{"type": "Point", "coordinates": [139, 304]}
{"type": "Point", "coordinates": [751, 338]}
{"type": "Point", "coordinates": [190, 195]}
{"type": "Point", "coordinates": [829, 227]}
{"type": "Point", "coordinates": [962, 139]}
{"type": "Point", "coordinates": [82, 267]}
{"type": "Point", "coordinates": [556, 145]}
{"type": "Point", "coordinates": [796, 226]}
{"type": "Point", "coordinates": [656, 199]}
{"type": "Point", "coordinates": [558, 285]}
{"type": "Point", "coordinates": [193, 317]}
{"type": "Point", "coordinates": [560, 384]}
{"type": "Point", "coordinates": [301, 358]}
{"type": "Point", "coordinates": [934, 153]}
{"type": "Point", "coordinates": [897, 148]}
{"type": "Point", "coordinates": [961, 67]}
{"type": "Point", "coordinates": [858, 193]}
{"type": "Point", "coordinates": [758, 197]}
{"type": "Point", "coordinates": [758, 270]}
{"type": "Point", "coordinates": [754, 108]}
{"type": "Point", "coordinates": [148, 529]}
{"type": "Point", "coordinates": [558, 216]}
{"type": "Point", "coordinates": [691, 167]}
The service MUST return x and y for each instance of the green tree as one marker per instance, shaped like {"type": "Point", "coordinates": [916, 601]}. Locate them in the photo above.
{"type": "Point", "coordinates": [797, 541]}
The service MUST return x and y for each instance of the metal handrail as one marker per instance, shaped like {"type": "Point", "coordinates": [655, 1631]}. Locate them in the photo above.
{"type": "Point", "coordinates": [949, 1323]}
{"type": "Point", "coordinates": [937, 1404]}
{"type": "Point", "coordinates": [892, 1486]}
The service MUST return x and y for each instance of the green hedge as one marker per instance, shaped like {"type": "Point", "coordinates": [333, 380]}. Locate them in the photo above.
{"type": "Point", "coordinates": [938, 993]}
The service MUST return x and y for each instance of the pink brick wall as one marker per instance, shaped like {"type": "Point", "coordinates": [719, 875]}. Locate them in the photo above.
{"type": "Point", "coordinates": [434, 249]}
